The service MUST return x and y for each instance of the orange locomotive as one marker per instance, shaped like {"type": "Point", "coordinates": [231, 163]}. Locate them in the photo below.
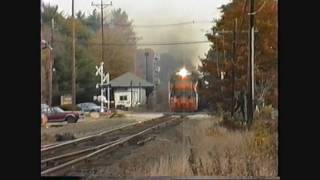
{"type": "Point", "coordinates": [183, 95]}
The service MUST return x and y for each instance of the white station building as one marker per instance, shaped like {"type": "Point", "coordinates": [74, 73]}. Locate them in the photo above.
{"type": "Point", "coordinates": [129, 90]}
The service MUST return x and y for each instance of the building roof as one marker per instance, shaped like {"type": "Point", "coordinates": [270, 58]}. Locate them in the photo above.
{"type": "Point", "coordinates": [125, 80]}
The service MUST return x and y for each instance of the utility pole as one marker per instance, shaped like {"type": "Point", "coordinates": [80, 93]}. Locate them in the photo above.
{"type": "Point", "coordinates": [233, 65]}
{"type": "Point", "coordinates": [51, 62]}
{"type": "Point", "coordinates": [131, 94]}
{"type": "Point", "coordinates": [102, 6]}
{"type": "Point", "coordinates": [224, 51]}
{"type": "Point", "coordinates": [251, 64]}
{"type": "Point", "coordinates": [73, 61]}
{"type": "Point", "coordinates": [250, 74]}
{"type": "Point", "coordinates": [139, 93]}
{"type": "Point", "coordinates": [217, 54]}
{"type": "Point", "coordinates": [146, 54]}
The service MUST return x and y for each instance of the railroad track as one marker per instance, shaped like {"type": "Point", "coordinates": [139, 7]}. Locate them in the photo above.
{"type": "Point", "coordinates": [103, 136]}
{"type": "Point", "coordinates": [60, 156]}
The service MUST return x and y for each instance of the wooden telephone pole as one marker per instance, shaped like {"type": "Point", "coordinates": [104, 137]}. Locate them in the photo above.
{"type": "Point", "coordinates": [102, 6]}
{"type": "Point", "coordinates": [51, 63]}
{"type": "Point", "coordinates": [73, 64]}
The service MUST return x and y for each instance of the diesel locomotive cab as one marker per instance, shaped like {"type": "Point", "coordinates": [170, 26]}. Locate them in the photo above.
{"type": "Point", "coordinates": [183, 95]}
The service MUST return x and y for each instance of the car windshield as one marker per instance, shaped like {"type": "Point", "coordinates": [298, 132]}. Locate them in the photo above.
{"type": "Point", "coordinates": [57, 109]}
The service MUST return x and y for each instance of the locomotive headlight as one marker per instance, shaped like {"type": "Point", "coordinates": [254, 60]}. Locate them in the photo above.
{"type": "Point", "coordinates": [183, 72]}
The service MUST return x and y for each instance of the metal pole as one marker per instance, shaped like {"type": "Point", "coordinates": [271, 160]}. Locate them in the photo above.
{"type": "Point", "coordinates": [101, 89]}
{"type": "Point", "coordinates": [73, 61]}
{"type": "Point", "coordinates": [108, 80]}
{"type": "Point", "coordinates": [251, 63]}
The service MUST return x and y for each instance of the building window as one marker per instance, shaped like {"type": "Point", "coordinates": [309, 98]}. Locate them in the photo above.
{"type": "Point", "coordinates": [123, 98]}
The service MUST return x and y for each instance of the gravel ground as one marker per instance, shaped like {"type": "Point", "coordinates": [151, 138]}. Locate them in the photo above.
{"type": "Point", "coordinates": [90, 126]}
{"type": "Point", "coordinates": [126, 161]}
{"type": "Point", "coordinates": [173, 151]}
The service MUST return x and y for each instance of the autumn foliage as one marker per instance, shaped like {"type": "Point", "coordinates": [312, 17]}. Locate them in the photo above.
{"type": "Point", "coordinates": [220, 57]}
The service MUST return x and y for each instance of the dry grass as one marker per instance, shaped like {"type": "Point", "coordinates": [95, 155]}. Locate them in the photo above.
{"type": "Point", "coordinates": [119, 115]}
{"type": "Point", "coordinates": [209, 149]}
{"type": "Point", "coordinates": [265, 113]}
{"type": "Point", "coordinates": [47, 138]}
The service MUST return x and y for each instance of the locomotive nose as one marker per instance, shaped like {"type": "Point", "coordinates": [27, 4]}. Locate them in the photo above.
{"type": "Point", "coordinates": [184, 103]}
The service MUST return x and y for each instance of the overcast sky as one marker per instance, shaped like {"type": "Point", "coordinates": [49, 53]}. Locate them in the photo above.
{"type": "Point", "coordinates": [161, 12]}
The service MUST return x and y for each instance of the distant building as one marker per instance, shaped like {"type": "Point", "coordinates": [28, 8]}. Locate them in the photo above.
{"type": "Point", "coordinates": [129, 90]}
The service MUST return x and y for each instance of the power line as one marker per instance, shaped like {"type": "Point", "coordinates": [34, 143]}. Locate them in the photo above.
{"type": "Point", "coordinates": [175, 24]}
{"type": "Point", "coordinates": [145, 44]}
{"type": "Point", "coordinates": [160, 25]}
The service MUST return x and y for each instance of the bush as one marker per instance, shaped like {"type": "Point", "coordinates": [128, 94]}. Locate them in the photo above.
{"type": "Point", "coordinates": [230, 123]}
{"type": "Point", "coordinates": [265, 113]}
{"type": "Point", "coordinates": [220, 111]}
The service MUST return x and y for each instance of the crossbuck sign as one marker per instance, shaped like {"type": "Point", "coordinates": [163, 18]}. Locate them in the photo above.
{"type": "Point", "coordinates": [103, 78]}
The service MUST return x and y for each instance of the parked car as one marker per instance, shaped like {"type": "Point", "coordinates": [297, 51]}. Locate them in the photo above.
{"type": "Point", "coordinates": [44, 106]}
{"type": "Point", "coordinates": [56, 114]}
{"type": "Point", "coordinates": [89, 107]}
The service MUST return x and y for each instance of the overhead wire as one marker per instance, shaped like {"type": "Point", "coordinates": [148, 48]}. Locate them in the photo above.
{"type": "Point", "coordinates": [160, 25]}
{"type": "Point", "coordinates": [144, 44]}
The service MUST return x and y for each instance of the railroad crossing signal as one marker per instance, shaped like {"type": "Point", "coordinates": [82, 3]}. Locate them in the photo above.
{"type": "Point", "coordinates": [103, 78]}
{"type": "Point", "coordinates": [99, 69]}
{"type": "Point", "coordinates": [106, 78]}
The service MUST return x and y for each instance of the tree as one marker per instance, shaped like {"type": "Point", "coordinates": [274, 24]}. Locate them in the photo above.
{"type": "Point", "coordinates": [62, 50]}
{"type": "Point", "coordinates": [88, 29]}
{"type": "Point", "coordinates": [219, 57]}
{"type": "Point", "coordinates": [93, 21]}
{"type": "Point", "coordinates": [120, 48]}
